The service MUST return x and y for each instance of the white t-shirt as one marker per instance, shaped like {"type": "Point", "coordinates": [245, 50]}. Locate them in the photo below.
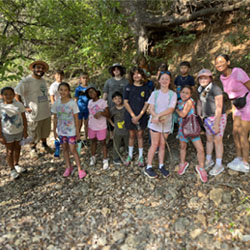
{"type": "Point", "coordinates": [65, 117]}
{"type": "Point", "coordinates": [11, 117]}
{"type": "Point", "coordinates": [53, 90]}
{"type": "Point", "coordinates": [163, 102]}
{"type": "Point", "coordinates": [34, 94]}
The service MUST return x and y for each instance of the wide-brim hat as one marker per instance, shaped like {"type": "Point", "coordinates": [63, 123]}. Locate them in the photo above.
{"type": "Point", "coordinates": [117, 65]}
{"type": "Point", "coordinates": [205, 72]}
{"type": "Point", "coordinates": [92, 86]}
{"type": "Point", "coordinates": [40, 62]}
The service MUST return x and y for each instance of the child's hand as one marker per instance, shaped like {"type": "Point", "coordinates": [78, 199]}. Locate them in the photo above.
{"type": "Point", "coordinates": [135, 119]}
{"type": "Point", "coordinates": [216, 128]}
{"type": "Point", "coordinates": [155, 119]}
{"type": "Point", "coordinates": [2, 140]}
{"type": "Point", "coordinates": [98, 115]}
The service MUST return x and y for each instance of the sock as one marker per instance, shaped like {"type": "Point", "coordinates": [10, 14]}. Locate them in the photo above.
{"type": "Point", "coordinates": [130, 151]}
{"type": "Point", "coordinates": [161, 165]}
{"type": "Point", "coordinates": [149, 166]}
{"type": "Point", "coordinates": [44, 144]}
{"type": "Point", "coordinates": [140, 152]}
{"type": "Point", "coordinates": [208, 157]}
{"type": "Point", "coordinates": [239, 158]}
{"type": "Point", "coordinates": [218, 161]}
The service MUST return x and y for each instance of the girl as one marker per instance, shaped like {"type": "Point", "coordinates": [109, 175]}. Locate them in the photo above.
{"type": "Point", "coordinates": [186, 106]}
{"type": "Point", "coordinates": [66, 127]}
{"type": "Point", "coordinates": [162, 103]}
{"type": "Point", "coordinates": [97, 126]}
{"type": "Point", "coordinates": [210, 106]}
{"type": "Point", "coordinates": [135, 96]}
{"type": "Point", "coordinates": [13, 128]}
{"type": "Point", "coordinates": [236, 84]}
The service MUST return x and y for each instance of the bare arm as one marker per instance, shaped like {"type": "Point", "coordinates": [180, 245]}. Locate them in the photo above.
{"type": "Point", "coordinates": [25, 134]}
{"type": "Point", "coordinates": [2, 140]}
{"type": "Point", "coordinates": [128, 108]}
{"type": "Point", "coordinates": [52, 99]}
{"type": "Point", "coordinates": [198, 108]}
{"type": "Point", "coordinates": [187, 107]}
{"type": "Point", "coordinates": [105, 96]}
{"type": "Point", "coordinates": [77, 126]}
{"type": "Point", "coordinates": [55, 125]}
{"type": "Point", "coordinates": [247, 84]}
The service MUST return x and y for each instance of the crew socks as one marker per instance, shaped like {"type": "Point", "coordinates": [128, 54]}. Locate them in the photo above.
{"type": "Point", "coordinates": [140, 152]}
{"type": "Point", "coordinates": [208, 157]}
{"type": "Point", "coordinates": [161, 165]}
{"type": "Point", "coordinates": [149, 166]}
{"type": "Point", "coordinates": [218, 161]}
{"type": "Point", "coordinates": [130, 151]}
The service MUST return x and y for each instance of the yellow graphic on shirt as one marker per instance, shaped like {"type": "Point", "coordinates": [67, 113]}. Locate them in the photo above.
{"type": "Point", "coordinates": [120, 125]}
{"type": "Point", "coordinates": [142, 94]}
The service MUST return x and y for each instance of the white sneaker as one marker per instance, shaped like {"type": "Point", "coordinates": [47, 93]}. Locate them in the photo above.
{"type": "Point", "coordinates": [241, 167]}
{"type": "Point", "coordinates": [105, 164]}
{"type": "Point", "coordinates": [235, 161]}
{"type": "Point", "coordinates": [14, 174]}
{"type": "Point", "coordinates": [20, 169]}
{"type": "Point", "coordinates": [209, 164]}
{"type": "Point", "coordinates": [92, 160]}
{"type": "Point", "coordinates": [216, 170]}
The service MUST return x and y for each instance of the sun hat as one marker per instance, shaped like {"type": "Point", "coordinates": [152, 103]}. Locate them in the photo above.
{"type": "Point", "coordinates": [118, 65]}
{"type": "Point", "coordinates": [205, 72]}
{"type": "Point", "coordinates": [92, 86]}
{"type": "Point", "coordinates": [40, 62]}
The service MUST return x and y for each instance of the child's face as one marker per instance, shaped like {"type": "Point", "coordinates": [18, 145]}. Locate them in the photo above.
{"type": "Point", "coordinates": [185, 94]}
{"type": "Point", "coordinates": [8, 96]}
{"type": "Point", "coordinates": [164, 80]}
{"type": "Point", "coordinates": [63, 91]}
{"type": "Point", "coordinates": [204, 80]}
{"type": "Point", "coordinates": [184, 70]}
{"type": "Point", "coordinates": [116, 71]}
{"type": "Point", "coordinates": [58, 77]}
{"type": "Point", "coordinates": [221, 63]}
{"type": "Point", "coordinates": [92, 94]}
{"type": "Point", "coordinates": [117, 100]}
{"type": "Point", "coordinates": [137, 77]}
{"type": "Point", "coordinates": [84, 80]}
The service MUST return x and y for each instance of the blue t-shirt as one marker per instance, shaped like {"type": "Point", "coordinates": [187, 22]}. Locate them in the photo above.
{"type": "Point", "coordinates": [83, 100]}
{"type": "Point", "coordinates": [181, 81]}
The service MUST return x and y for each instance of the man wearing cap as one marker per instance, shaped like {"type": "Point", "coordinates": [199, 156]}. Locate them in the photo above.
{"type": "Point", "coordinates": [32, 91]}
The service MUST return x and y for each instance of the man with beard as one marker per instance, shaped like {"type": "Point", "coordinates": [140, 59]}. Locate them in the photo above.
{"type": "Point", "coordinates": [32, 91]}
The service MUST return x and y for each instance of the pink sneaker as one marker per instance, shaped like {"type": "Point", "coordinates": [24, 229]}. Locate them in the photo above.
{"type": "Point", "coordinates": [68, 172]}
{"type": "Point", "coordinates": [182, 168]}
{"type": "Point", "coordinates": [202, 173]}
{"type": "Point", "coordinates": [81, 174]}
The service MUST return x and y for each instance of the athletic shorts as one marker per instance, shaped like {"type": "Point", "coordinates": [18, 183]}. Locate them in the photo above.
{"type": "Point", "coordinates": [83, 115]}
{"type": "Point", "coordinates": [222, 125]}
{"type": "Point", "coordinates": [67, 139]}
{"type": "Point", "coordinates": [244, 113]}
{"type": "Point", "coordinates": [99, 134]}
{"type": "Point", "coordinates": [12, 138]}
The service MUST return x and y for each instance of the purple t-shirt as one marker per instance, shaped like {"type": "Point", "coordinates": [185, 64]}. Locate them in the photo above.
{"type": "Point", "coordinates": [234, 83]}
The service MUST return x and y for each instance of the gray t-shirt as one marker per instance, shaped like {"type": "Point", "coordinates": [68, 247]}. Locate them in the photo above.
{"type": "Point", "coordinates": [111, 86]}
{"type": "Point", "coordinates": [118, 117]}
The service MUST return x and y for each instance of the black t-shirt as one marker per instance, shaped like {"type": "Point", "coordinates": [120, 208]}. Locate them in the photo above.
{"type": "Point", "coordinates": [208, 102]}
{"type": "Point", "coordinates": [184, 80]}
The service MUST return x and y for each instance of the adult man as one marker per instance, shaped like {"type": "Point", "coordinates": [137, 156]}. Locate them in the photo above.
{"type": "Point", "coordinates": [32, 91]}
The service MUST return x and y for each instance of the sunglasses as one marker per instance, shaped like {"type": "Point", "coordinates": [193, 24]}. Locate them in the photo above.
{"type": "Point", "coordinates": [165, 72]}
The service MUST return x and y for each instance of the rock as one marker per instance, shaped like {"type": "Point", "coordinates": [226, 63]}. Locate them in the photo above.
{"type": "Point", "coordinates": [226, 197]}
{"type": "Point", "coordinates": [245, 238]}
{"type": "Point", "coordinates": [216, 195]}
{"type": "Point", "coordinates": [181, 224]}
{"type": "Point", "coordinates": [201, 218]}
{"type": "Point", "coordinates": [195, 233]}
{"type": "Point", "coordinates": [102, 241]}
{"type": "Point", "coordinates": [194, 203]}
{"type": "Point", "coordinates": [118, 236]}
{"type": "Point", "coordinates": [105, 211]}
{"type": "Point", "coordinates": [232, 172]}
{"type": "Point", "coordinates": [131, 241]}
{"type": "Point", "coordinates": [58, 186]}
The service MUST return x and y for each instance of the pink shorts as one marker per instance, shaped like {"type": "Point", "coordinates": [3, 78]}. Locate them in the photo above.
{"type": "Point", "coordinates": [99, 134]}
{"type": "Point", "coordinates": [222, 125]}
{"type": "Point", "coordinates": [244, 113]}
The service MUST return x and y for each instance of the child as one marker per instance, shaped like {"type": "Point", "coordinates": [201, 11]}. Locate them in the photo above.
{"type": "Point", "coordinates": [53, 90]}
{"type": "Point", "coordinates": [184, 79]}
{"type": "Point", "coordinates": [236, 84]}
{"type": "Point", "coordinates": [82, 102]}
{"type": "Point", "coordinates": [120, 132]}
{"type": "Point", "coordinates": [162, 103]}
{"type": "Point", "coordinates": [66, 127]}
{"type": "Point", "coordinates": [135, 101]}
{"type": "Point", "coordinates": [210, 105]}
{"type": "Point", "coordinates": [97, 125]}
{"type": "Point", "coordinates": [13, 128]}
{"type": "Point", "coordinates": [186, 106]}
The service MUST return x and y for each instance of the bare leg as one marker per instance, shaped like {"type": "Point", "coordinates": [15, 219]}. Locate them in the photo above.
{"type": "Point", "coordinates": [245, 125]}
{"type": "Point", "coordinates": [131, 139]}
{"type": "Point", "coordinates": [9, 157]}
{"type": "Point", "coordinates": [104, 149]}
{"type": "Point", "coordinates": [155, 141]}
{"type": "Point", "coordinates": [80, 126]}
{"type": "Point", "coordinates": [236, 134]}
{"type": "Point", "coordinates": [219, 148]}
{"type": "Point", "coordinates": [200, 153]}
{"type": "Point", "coordinates": [209, 144]}
{"type": "Point", "coordinates": [162, 147]}
{"type": "Point", "coordinates": [65, 147]}
{"type": "Point", "coordinates": [93, 146]}
{"type": "Point", "coordinates": [183, 151]}
{"type": "Point", "coordinates": [17, 149]}
{"type": "Point", "coordinates": [72, 148]}
{"type": "Point", "coordinates": [86, 129]}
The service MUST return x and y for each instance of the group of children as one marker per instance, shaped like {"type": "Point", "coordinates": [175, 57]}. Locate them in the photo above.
{"type": "Point", "coordinates": [131, 108]}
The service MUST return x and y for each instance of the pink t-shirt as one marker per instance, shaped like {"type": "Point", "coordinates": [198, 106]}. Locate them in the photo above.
{"type": "Point", "coordinates": [94, 107]}
{"type": "Point", "coordinates": [234, 83]}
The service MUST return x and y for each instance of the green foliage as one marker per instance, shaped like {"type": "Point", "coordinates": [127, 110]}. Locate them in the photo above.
{"type": "Point", "coordinates": [237, 38]}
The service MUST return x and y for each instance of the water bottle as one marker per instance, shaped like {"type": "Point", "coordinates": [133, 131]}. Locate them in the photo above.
{"type": "Point", "coordinates": [79, 147]}
{"type": "Point", "coordinates": [26, 141]}
{"type": "Point", "coordinates": [57, 146]}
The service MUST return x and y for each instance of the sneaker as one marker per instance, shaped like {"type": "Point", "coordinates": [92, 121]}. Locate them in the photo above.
{"type": "Point", "coordinates": [68, 172]}
{"type": "Point", "coordinates": [202, 173]}
{"type": "Point", "coordinates": [20, 169]}
{"type": "Point", "coordinates": [128, 161]}
{"type": "Point", "coordinates": [14, 174]}
{"type": "Point", "coordinates": [234, 162]}
{"type": "Point", "coordinates": [241, 167]}
{"type": "Point", "coordinates": [182, 168]}
{"type": "Point", "coordinates": [105, 164]}
{"type": "Point", "coordinates": [92, 160]}
{"type": "Point", "coordinates": [216, 170]}
{"type": "Point", "coordinates": [209, 164]}
{"type": "Point", "coordinates": [150, 173]}
{"type": "Point", "coordinates": [33, 154]}
{"type": "Point", "coordinates": [117, 162]}
{"type": "Point", "coordinates": [164, 171]}
{"type": "Point", "coordinates": [81, 174]}
{"type": "Point", "coordinates": [141, 162]}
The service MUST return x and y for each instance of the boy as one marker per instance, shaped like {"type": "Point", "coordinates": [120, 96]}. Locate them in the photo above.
{"type": "Point", "coordinates": [120, 132]}
{"type": "Point", "coordinates": [82, 102]}
{"type": "Point", "coordinates": [53, 90]}
{"type": "Point", "coordinates": [184, 78]}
